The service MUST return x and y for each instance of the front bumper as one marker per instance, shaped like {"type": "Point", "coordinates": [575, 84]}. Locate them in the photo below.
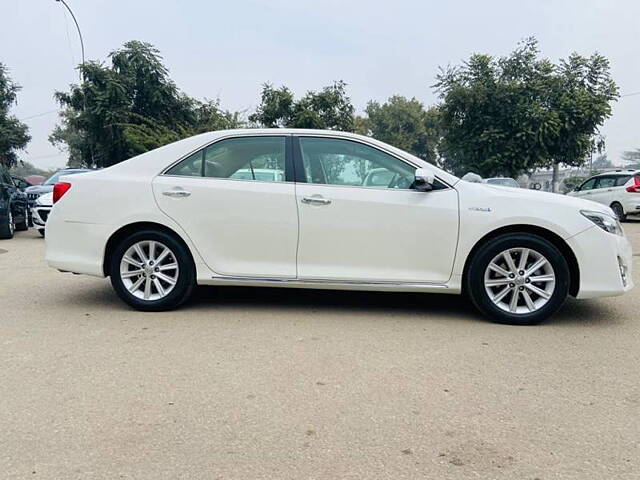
{"type": "Point", "coordinates": [40, 215]}
{"type": "Point", "coordinates": [601, 257]}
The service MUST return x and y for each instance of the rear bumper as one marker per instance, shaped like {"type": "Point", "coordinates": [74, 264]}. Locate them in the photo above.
{"type": "Point", "coordinates": [600, 256]}
{"type": "Point", "coordinates": [75, 246]}
{"type": "Point", "coordinates": [632, 206]}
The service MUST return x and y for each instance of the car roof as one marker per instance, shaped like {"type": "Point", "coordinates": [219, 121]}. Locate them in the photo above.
{"type": "Point", "coordinates": [617, 172]}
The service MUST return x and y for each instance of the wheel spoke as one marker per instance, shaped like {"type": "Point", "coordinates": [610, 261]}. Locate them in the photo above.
{"type": "Point", "coordinates": [131, 261]}
{"type": "Point", "coordinates": [498, 269]}
{"type": "Point", "coordinates": [147, 288]}
{"type": "Point", "coordinates": [509, 259]}
{"type": "Point", "coordinates": [513, 304]}
{"type": "Point", "coordinates": [528, 301]}
{"type": "Point", "coordinates": [165, 278]}
{"type": "Point", "coordinates": [543, 278]}
{"type": "Point", "coordinates": [524, 256]}
{"type": "Point", "coordinates": [152, 250]}
{"type": "Point", "coordinates": [541, 262]}
{"type": "Point", "coordinates": [538, 291]}
{"type": "Point", "coordinates": [497, 282]}
{"type": "Point", "coordinates": [168, 266]}
{"type": "Point", "coordinates": [501, 294]}
{"type": "Point", "coordinates": [159, 287]}
{"type": "Point", "coordinates": [131, 273]}
{"type": "Point", "coordinates": [138, 249]}
{"type": "Point", "coordinates": [135, 285]}
{"type": "Point", "coordinates": [162, 255]}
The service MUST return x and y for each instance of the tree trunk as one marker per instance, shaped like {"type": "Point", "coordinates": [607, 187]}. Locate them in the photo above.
{"type": "Point", "coordinates": [554, 178]}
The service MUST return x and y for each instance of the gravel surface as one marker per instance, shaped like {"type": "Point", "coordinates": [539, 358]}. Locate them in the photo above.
{"type": "Point", "coordinates": [249, 384]}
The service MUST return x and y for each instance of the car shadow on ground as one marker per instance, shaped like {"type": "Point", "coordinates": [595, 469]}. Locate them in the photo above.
{"type": "Point", "coordinates": [381, 305]}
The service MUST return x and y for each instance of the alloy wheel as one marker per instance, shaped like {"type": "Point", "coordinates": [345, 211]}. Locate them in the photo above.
{"type": "Point", "coordinates": [519, 280]}
{"type": "Point", "coordinates": [149, 270]}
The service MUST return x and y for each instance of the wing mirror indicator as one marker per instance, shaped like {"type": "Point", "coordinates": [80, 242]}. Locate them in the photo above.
{"type": "Point", "coordinates": [424, 180]}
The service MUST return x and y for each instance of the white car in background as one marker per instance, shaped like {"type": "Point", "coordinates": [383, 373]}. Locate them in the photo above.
{"type": "Point", "coordinates": [166, 220]}
{"type": "Point", "coordinates": [503, 182]}
{"type": "Point", "coordinates": [619, 190]}
{"type": "Point", "coordinates": [40, 211]}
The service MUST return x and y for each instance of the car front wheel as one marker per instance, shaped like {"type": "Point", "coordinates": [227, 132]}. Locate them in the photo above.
{"type": "Point", "coordinates": [518, 278]}
{"type": "Point", "coordinates": [152, 271]}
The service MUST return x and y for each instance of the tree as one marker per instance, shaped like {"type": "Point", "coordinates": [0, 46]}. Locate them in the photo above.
{"type": "Point", "coordinates": [14, 135]}
{"type": "Point", "coordinates": [330, 108]}
{"type": "Point", "coordinates": [405, 124]}
{"type": "Point", "coordinates": [602, 162]}
{"type": "Point", "coordinates": [514, 114]}
{"type": "Point", "coordinates": [632, 156]}
{"type": "Point", "coordinates": [129, 107]}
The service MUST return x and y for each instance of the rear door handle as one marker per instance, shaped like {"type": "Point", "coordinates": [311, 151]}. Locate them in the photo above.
{"type": "Point", "coordinates": [176, 193]}
{"type": "Point", "coordinates": [316, 200]}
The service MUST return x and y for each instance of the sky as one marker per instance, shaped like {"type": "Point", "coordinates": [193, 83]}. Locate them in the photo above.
{"type": "Point", "coordinates": [227, 49]}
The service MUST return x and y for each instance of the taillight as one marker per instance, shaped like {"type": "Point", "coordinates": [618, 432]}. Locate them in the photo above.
{"type": "Point", "coordinates": [635, 188]}
{"type": "Point", "coordinates": [59, 189]}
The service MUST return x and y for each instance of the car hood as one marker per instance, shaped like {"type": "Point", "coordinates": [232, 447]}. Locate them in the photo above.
{"type": "Point", "coordinates": [39, 189]}
{"type": "Point", "coordinates": [45, 199]}
{"type": "Point", "coordinates": [540, 197]}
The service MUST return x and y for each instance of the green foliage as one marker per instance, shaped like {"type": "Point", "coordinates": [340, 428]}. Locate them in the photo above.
{"type": "Point", "coordinates": [570, 183]}
{"type": "Point", "coordinates": [405, 124]}
{"type": "Point", "coordinates": [602, 162]}
{"type": "Point", "coordinates": [509, 115]}
{"type": "Point", "coordinates": [14, 135]}
{"type": "Point", "coordinates": [632, 156]}
{"type": "Point", "coordinates": [129, 107]}
{"type": "Point", "coordinates": [24, 169]}
{"type": "Point", "coordinates": [329, 108]}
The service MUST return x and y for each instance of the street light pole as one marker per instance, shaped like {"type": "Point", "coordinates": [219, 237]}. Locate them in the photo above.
{"type": "Point", "coordinates": [77, 27]}
{"type": "Point", "coordinates": [84, 99]}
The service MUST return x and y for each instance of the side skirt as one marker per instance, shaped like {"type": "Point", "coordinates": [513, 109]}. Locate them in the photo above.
{"type": "Point", "coordinates": [329, 284]}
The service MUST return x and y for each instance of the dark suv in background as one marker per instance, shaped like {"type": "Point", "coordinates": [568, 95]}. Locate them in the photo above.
{"type": "Point", "coordinates": [14, 207]}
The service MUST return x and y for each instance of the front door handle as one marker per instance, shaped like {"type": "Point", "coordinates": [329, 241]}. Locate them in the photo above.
{"type": "Point", "coordinates": [316, 200]}
{"type": "Point", "coordinates": [176, 193]}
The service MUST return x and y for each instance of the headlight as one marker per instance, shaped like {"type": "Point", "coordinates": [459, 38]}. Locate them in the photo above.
{"type": "Point", "coordinates": [604, 221]}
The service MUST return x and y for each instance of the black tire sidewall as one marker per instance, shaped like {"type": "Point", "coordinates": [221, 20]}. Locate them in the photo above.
{"type": "Point", "coordinates": [5, 228]}
{"type": "Point", "coordinates": [186, 277]}
{"type": "Point", "coordinates": [618, 209]}
{"type": "Point", "coordinates": [475, 278]}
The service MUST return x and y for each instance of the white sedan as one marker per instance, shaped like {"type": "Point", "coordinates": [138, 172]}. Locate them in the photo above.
{"type": "Point", "coordinates": [166, 220]}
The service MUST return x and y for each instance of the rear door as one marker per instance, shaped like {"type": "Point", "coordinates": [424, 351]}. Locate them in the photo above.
{"type": "Point", "coordinates": [243, 227]}
{"type": "Point", "coordinates": [361, 221]}
{"type": "Point", "coordinates": [603, 192]}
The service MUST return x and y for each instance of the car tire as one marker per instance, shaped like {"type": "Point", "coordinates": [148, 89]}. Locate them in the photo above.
{"type": "Point", "coordinates": [619, 211]}
{"type": "Point", "coordinates": [24, 224]}
{"type": "Point", "coordinates": [539, 292]}
{"type": "Point", "coordinates": [7, 226]}
{"type": "Point", "coordinates": [41, 232]}
{"type": "Point", "coordinates": [162, 294]}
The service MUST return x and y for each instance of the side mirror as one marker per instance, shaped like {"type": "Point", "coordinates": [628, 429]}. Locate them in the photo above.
{"type": "Point", "coordinates": [424, 180]}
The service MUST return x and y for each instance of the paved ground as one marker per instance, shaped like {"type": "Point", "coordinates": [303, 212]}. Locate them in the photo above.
{"type": "Point", "coordinates": [282, 384]}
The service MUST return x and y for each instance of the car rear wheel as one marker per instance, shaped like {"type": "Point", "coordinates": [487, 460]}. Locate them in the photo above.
{"type": "Point", "coordinates": [41, 232]}
{"type": "Point", "coordinates": [7, 227]}
{"type": "Point", "coordinates": [152, 271]}
{"type": "Point", "coordinates": [619, 211]}
{"type": "Point", "coordinates": [519, 279]}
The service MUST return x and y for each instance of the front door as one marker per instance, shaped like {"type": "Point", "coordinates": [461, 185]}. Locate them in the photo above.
{"type": "Point", "coordinates": [234, 201]}
{"type": "Point", "coordinates": [361, 221]}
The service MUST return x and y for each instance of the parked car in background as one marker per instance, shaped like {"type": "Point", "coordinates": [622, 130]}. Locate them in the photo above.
{"type": "Point", "coordinates": [21, 183]}
{"type": "Point", "coordinates": [40, 211]}
{"type": "Point", "coordinates": [503, 182]}
{"type": "Point", "coordinates": [35, 191]}
{"type": "Point", "coordinates": [35, 179]}
{"type": "Point", "coordinates": [14, 210]}
{"type": "Point", "coordinates": [166, 220]}
{"type": "Point", "coordinates": [619, 190]}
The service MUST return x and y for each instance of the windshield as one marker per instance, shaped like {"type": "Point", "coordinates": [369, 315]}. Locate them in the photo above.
{"type": "Point", "coordinates": [53, 179]}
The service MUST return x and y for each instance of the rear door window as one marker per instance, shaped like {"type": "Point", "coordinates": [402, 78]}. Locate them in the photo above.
{"type": "Point", "coordinates": [606, 182]}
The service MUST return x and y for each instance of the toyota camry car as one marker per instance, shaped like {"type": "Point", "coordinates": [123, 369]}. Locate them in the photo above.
{"type": "Point", "coordinates": [167, 220]}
